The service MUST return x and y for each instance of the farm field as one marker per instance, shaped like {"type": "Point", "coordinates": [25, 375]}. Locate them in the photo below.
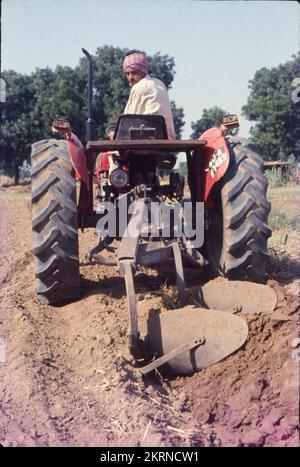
{"type": "Point", "coordinates": [67, 379]}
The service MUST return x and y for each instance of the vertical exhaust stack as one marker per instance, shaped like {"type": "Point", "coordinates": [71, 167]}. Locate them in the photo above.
{"type": "Point", "coordinates": [90, 123]}
{"type": "Point", "coordinates": [90, 128]}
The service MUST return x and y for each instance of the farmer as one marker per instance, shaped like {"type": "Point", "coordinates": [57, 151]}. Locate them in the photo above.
{"type": "Point", "coordinates": [148, 95]}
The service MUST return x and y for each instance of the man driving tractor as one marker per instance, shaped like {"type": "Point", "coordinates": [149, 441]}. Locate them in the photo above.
{"type": "Point", "coordinates": [148, 95]}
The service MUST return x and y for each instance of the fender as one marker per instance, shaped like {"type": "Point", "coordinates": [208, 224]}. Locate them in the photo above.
{"type": "Point", "coordinates": [102, 163]}
{"type": "Point", "coordinates": [77, 156]}
{"type": "Point", "coordinates": [216, 159]}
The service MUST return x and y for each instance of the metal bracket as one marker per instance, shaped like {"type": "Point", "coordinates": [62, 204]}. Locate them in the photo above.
{"type": "Point", "coordinates": [133, 334]}
{"type": "Point", "coordinates": [172, 354]}
{"type": "Point", "coordinates": [130, 253]}
{"type": "Point", "coordinates": [93, 255]}
{"type": "Point", "coordinates": [126, 268]}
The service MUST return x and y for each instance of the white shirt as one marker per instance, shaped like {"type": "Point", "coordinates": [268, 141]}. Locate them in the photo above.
{"type": "Point", "coordinates": [150, 96]}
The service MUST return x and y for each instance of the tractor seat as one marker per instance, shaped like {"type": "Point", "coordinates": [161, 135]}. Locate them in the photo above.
{"type": "Point", "coordinates": [135, 126]}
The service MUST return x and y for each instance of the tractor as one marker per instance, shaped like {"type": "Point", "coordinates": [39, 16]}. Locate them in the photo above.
{"type": "Point", "coordinates": [224, 177]}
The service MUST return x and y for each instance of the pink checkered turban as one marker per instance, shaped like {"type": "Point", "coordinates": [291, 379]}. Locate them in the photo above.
{"type": "Point", "coordinates": [137, 61]}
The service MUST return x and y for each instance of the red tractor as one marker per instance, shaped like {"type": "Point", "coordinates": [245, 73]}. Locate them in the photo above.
{"type": "Point", "coordinates": [224, 172]}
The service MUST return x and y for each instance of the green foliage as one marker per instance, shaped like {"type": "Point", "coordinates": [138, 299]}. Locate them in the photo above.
{"type": "Point", "coordinates": [162, 67]}
{"type": "Point", "coordinates": [33, 101]}
{"type": "Point", "coordinates": [58, 93]}
{"type": "Point", "coordinates": [274, 178]}
{"type": "Point", "coordinates": [284, 213]}
{"type": "Point", "coordinates": [210, 118]}
{"type": "Point", "coordinates": [178, 116]}
{"type": "Point", "coordinates": [280, 220]}
{"type": "Point", "coordinates": [15, 124]}
{"type": "Point", "coordinates": [276, 113]}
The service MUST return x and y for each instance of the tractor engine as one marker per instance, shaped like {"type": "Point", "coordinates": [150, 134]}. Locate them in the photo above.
{"type": "Point", "coordinates": [137, 169]}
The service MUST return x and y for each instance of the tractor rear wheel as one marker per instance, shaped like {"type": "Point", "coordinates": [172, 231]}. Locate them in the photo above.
{"type": "Point", "coordinates": [54, 223]}
{"type": "Point", "coordinates": [236, 239]}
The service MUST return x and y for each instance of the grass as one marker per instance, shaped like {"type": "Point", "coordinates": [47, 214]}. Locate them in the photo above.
{"type": "Point", "coordinates": [279, 220]}
{"type": "Point", "coordinates": [8, 190]}
{"type": "Point", "coordinates": [285, 201]}
{"type": "Point", "coordinates": [6, 181]}
{"type": "Point", "coordinates": [284, 220]}
{"type": "Point", "coordinates": [288, 189]}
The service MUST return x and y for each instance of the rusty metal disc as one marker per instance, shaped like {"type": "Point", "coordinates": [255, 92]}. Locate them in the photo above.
{"type": "Point", "coordinates": [242, 296]}
{"type": "Point", "coordinates": [223, 334]}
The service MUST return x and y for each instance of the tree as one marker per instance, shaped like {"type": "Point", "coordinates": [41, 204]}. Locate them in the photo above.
{"type": "Point", "coordinates": [277, 115]}
{"type": "Point", "coordinates": [178, 116]}
{"type": "Point", "coordinates": [210, 118]}
{"type": "Point", "coordinates": [58, 93]}
{"type": "Point", "coordinates": [15, 123]}
{"type": "Point", "coordinates": [162, 67]}
{"type": "Point", "coordinates": [32, 102]}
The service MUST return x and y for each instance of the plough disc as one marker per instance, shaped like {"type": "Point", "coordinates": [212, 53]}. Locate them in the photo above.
{"type": "Point", "coordinates": [222, 334]}
{"type": "Point", "coordinates": [239, 296]}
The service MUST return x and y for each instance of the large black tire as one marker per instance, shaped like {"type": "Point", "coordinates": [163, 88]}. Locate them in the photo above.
{"type": "Point", "coordinates": [236, 244]}
{"type": "Point", "coordinates": [54, 223]}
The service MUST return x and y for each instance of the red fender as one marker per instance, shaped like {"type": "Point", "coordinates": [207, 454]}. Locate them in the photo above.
{"type": "Point", "coordinates": [102, 163]}
{"type": "Point", "coordinates": [77, 157]}
{"type": "Point", "coordinates": [216, 159]}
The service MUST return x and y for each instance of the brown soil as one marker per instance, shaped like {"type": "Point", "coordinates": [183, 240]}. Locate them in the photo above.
{"type": "Point", "coordinates": [68, 378]}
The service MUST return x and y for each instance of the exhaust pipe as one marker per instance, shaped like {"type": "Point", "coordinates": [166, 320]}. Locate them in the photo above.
{"type": "Point", "coordinates": [90, 123]}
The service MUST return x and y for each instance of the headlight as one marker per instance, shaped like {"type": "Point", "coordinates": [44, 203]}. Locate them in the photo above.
{"type": "Point", "coordinates": [118, 178]}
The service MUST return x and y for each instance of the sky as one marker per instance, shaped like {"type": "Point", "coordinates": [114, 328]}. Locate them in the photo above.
{"type": "Point", "coordinates": [217, 45]}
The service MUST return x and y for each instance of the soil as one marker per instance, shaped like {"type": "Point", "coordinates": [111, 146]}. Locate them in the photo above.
{"type": "Point", "coordinates": [67, 379]}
